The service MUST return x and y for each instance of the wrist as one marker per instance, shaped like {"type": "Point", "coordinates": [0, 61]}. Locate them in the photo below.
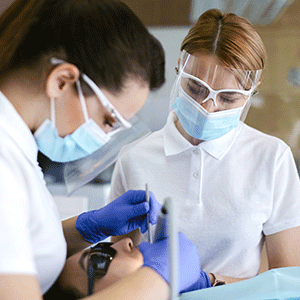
{"type": "Point", "coordinates": [216, 279]}
{"type": "Point", "coordinates": [87, 228]}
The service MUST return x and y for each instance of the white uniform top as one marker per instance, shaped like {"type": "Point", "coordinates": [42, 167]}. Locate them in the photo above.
{"type": "Point", "coordinates": [31, 238]}
{"type": "Point", "coordinates": [229, 192]}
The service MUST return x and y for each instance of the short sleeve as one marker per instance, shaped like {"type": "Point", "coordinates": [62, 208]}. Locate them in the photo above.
{"type": "Point", "coordinates": [286, 199]}
{"type": "Point", "coordinates": [15, 242]}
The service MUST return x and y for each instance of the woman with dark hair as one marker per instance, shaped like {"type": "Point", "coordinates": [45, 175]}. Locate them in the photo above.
{"type": "Point", "coordinates": [236, 188]}
{"type": "Point", "coordinates": [72, 73]}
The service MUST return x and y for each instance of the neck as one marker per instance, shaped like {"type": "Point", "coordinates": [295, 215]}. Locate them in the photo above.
{"type": "Point", "coordinates": [189, 138]}
{"type": "Point", "coordinates": [24, 89]}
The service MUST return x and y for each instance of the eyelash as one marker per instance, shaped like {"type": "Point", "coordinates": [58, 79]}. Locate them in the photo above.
{"type": "Point", "coordinates": [227, 100]}
{"type": "Point", "coordinates": [192, 88]}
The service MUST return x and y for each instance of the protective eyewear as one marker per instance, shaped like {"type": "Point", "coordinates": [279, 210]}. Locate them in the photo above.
{"type": "Point", "coordinates": [120, 122]}
{"type": "Point", "coordinates": [204, 77]}
{"type": "Point", "coordinates": [201, 92]}
{"type": "Point", "coordinates": [99, 258]}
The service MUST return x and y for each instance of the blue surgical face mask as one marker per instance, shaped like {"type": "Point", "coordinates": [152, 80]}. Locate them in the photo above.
{"type": "Point", "coordinates": [199, 123]}
{"type": "Point", "coordinates": [85, 140]}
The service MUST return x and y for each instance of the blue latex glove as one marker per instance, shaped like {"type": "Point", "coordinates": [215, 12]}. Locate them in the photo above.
{"type": "Point", "coordinates": [156, 256]}
{"type": "Point", "coordinates": [123, 215]}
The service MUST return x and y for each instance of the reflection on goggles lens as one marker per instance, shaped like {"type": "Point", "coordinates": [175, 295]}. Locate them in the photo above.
{"type": "Point", "coordinates": [201, 92]}
{"type": "Point", "coordinates": [118, 123]}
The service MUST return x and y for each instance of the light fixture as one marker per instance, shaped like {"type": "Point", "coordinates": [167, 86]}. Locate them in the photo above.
{"type": "Point", "coordinates": [258, 12]}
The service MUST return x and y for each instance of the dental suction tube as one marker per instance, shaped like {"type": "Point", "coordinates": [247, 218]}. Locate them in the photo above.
{"type": "Point", "coordinates": [161, 225]}
{"type": "Point", "coordinates": [167, 219]}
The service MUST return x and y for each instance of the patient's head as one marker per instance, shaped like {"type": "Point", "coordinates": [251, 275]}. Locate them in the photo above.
{"type": "Point", "coordinates": [74, 278]}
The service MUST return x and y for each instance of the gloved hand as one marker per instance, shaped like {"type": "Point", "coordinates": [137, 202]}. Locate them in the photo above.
{"type": "Point", "coordinates": [202, 282]}
{"type": "Point", "coordinates": [156, 256]}
{"type": "Point", "coordinates": [126, 213]}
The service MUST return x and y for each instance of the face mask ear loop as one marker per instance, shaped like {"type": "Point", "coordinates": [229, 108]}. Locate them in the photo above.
{"type": "Point", "coordinates": [82, 100]}
{"type": "Point", "coordinates": [52, 109]}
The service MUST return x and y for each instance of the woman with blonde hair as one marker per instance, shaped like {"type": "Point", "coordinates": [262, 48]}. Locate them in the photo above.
{"type": "Point", "coordinates": [235, 187]}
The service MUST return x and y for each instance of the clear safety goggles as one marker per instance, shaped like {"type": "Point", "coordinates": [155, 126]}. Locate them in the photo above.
{"type": "Point", "coordinates": [203, 79]}
{"type": "Point", "coordinates": [201, 92]}
{"type": "Point", "coordinates": [119, 121]}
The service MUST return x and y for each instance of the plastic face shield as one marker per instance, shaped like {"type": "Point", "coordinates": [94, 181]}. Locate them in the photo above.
{"type": "Point", "coordinates": [79, 172]}
{"type": "Point", "coordinates": [204, 79]}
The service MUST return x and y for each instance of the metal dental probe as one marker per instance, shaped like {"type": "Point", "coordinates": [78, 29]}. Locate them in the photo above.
{"type": "Point", "coordinates": [148, 222]}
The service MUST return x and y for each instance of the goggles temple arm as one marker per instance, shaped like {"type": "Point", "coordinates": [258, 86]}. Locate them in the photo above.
{"type": "Point", "coordinates": [91, 278]}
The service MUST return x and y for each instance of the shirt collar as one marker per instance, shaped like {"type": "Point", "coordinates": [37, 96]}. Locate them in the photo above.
{"type": "Point", "coordinates": [175, 143]}
{"type": "Point", "coordinates": [15, 126]}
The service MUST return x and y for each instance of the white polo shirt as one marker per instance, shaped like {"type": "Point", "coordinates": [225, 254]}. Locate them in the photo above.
{"type": "Point", "coordinates": [229, 192]}
{"type": "Point", "coordinates": [31, 238]}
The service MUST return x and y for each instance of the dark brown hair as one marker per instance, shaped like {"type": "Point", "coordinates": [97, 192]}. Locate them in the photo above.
{"type": "Point", "coordinates": [103, 38]}
{"type": "Point", "coordinates": [230, 37]}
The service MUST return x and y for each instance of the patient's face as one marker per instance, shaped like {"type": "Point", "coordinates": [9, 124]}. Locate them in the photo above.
{"type": "Point", "coordinates": [127, 260]}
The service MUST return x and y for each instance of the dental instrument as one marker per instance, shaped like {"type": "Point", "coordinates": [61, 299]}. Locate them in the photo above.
{"type": "Point", "coordinates": [161, 225]}
{"type": "Point", "coordinates": [173, 239]}
{"type": "Point", "coordinates": [148, 221]}
{"type": "Point", "coordinates": [166, 226]}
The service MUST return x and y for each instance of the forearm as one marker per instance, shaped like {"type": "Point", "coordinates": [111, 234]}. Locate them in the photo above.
{"type": "Point", "coordinates": [231, 279]}
{"type": "Point", "coordinates": [73, 237]}
{"type": "Point", "coordinates": [264, 266]}
{"type": "Point", "coordinates": [142, 284]}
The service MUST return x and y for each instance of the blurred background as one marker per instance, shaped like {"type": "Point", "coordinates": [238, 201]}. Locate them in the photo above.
{"type": "Point", "coordinates": [276, 108]}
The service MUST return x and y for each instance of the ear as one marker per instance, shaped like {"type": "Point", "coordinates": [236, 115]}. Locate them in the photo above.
{"type": "Point", "coordinates": [177, 68]}
{"type": "Point", "coordinates": [257, 84]}
{"type": "Point", "coordinates": [60, 79]}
